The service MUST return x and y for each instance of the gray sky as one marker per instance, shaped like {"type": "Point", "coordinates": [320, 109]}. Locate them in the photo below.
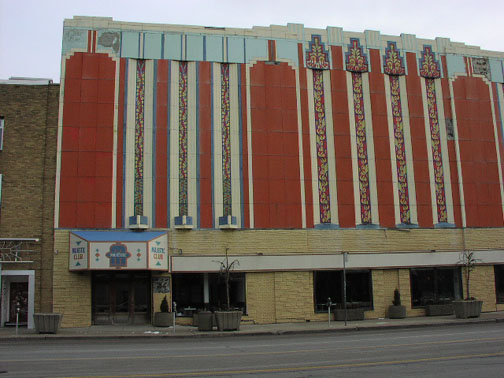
{"type": "Point", "coordinates": [31, 30]}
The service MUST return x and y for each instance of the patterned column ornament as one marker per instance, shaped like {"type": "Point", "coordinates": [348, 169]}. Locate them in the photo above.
{"type": "Point", "coordinates": [226, 141]}
{"type": "Point", "coordinates": [357, 63]}
{"type": "Point", "coordinates": [139, 137]}
{"type": "Point", "coordinates": [317, 58]}
{"type": "Point", "coordinates": [430, 70]}
{"type": "Point", "coordinates": [183, 145]}
{"type": "Point", "coordinates": [393, 65]}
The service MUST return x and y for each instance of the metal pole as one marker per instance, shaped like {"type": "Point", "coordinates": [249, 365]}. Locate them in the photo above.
{"type": "Point", "coordinates": [174, 307]}
{"type": "Point", "coordinates": [18, 306]}
{"type": "Point", "coordinates": [329, 311]}
{"type": "Point", "coordinates": [344, 285]}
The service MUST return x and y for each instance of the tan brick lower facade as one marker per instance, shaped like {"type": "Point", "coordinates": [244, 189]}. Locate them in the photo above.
{"type": "Point", "coordinates": [271, 296]}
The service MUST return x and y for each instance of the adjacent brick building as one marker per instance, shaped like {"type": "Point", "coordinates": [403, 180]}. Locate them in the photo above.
{"type": "Point", "coordinates": [29, 117]}
{"type": "Point", "coordinates": [285, 146]}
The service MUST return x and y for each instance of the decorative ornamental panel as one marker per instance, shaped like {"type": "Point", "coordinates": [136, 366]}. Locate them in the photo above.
{"type": "Point", "coordinates": [357, 63]}
{"type": "Point", "coordinates": [429, 66]}
{"type": "Point", "coordinates": [139, 137]}
{"type": "Point", "coordinates": [317, 57]}
{"type": "Point", "coordinates": [321, 143]}
{"type": "Point", "coordinates": [356, 59]}
{"type": "Point", "coordinates": [429, 69]}
{"type": "Point", "coordinates": [183, 144]}
{"type": "Point", "coordinates": [393, 65]}
{"type": "Point", "coordinates": [226, 140]}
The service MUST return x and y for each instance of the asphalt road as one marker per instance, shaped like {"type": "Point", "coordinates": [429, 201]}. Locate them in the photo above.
{"type": "Point", "coordinates": [454, 351]}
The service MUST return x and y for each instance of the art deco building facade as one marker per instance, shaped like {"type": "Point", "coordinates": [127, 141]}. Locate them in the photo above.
{"type": "Point", "coordinates": [286, 147]}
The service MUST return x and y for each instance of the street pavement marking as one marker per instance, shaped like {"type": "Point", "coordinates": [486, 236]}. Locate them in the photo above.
{"type": "Point", "coordinates": [171, 356]}
{"type": "Point", "coordinates": [299, 368]}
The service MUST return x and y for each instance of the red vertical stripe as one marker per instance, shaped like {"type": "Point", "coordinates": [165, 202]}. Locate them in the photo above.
{"type": "Point", "coordinates": [419, 143]}
{"type": "Point", "coordinates": [246, 195]}
{"type": "Point", "coordinates": [342, 140]}
{"type": "Point", "coordinates": [277, 191]}
{"type": "Point", "coordinates": [478, 155]}
{"type": "Point", "coordinates": [205, 143]}
{"type": "Point", "coordinates": [88, 124]}
{"type": "Point", "coordinates": [120, 138]}
{"type": "Point", "coordinates": [452, 155]}
{"type": "Point", "coordinates": [381, 142]}
{"type": "Point", "coordinates": [161, 201]}
{"type": "Point", "coordinates": [90, 41]}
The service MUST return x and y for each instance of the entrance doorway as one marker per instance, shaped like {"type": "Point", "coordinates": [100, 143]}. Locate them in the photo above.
{"type": "Point", "coordinates": [121, 297]}
{"type": "Point", "coordinates": [18, 299]}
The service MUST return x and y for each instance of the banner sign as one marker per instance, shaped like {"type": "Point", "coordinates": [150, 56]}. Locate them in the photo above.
{"type": "Point", "coordinates": [118, 250]}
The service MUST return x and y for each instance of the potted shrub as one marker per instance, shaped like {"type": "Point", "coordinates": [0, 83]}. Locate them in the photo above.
{"type": "Point", "coordinates": [468, 307]}
{"type": "Point", "coordinates": [396, 310]}
{"type": "Point", "coordinates": [165, 317]}
{"type": "Point", "coordinates": [227, 320]}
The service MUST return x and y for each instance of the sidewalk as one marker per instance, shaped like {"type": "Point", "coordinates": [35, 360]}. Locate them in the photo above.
{"type": "Point", "coordinates": [146, 330]}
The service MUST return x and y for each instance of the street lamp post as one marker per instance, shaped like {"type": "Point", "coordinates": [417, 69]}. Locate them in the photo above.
{"type": "Point", "coordinates": [345, 257]}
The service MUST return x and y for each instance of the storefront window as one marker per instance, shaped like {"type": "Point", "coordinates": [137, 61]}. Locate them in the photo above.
{"type": "Point", "coordinates": [435, 286]}
{"type": "Point", "coordinates": [329, 284]}
{"type": "Point", "coordinates": [188, 292]}
{"type": "Point", "coordinates": [499, 283]}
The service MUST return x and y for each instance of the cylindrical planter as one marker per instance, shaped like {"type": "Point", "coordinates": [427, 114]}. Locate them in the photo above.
{"type": "Point", "coordinates": [467, 309]}
{"type": "Point", "coordinates": [163, 319]}
{"type": "Point", "coordinates": [47, 322]}
{"type": "Point", "coordinates": [228, 320]}
{"type": "Point", "coordinates": [205, 321]}
{"type": "Point", "coordinates": [397, 312]}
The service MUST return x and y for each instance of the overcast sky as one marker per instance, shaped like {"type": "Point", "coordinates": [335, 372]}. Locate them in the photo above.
{"type": "Point", "coordinates": [31, 30]}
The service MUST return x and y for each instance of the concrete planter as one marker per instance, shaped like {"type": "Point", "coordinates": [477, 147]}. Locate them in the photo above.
{"type": "Point", "coordinates": [204, 320]}
{"type": "Point", "coordinates": [397, 312]}
{"type": "Point", "coordinates": [163, 319]}
{"type": "Point", "coordinates": [47, 322]}
{"type": "Point", "coordinates": [228, 320]}
{"type": "Point", "coordinates": [467, 309]}
{"type": "Point", "coordinates": [352, 314]}
{"type": "Point", "coordinates": [439, 309]}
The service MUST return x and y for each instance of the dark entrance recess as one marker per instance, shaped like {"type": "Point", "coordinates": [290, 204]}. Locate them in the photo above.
{"type": "Point", "coordinates": [359, 290]}
{"type": "Point", "coordinates": [18, 296]}
{"type": "Point", "coordinates": [121, 297]}
{"type": "Point", "coordinates": [435, 286]}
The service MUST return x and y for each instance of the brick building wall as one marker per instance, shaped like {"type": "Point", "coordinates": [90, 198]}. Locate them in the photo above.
{"type": "Point", "coordinates": [28, 165]}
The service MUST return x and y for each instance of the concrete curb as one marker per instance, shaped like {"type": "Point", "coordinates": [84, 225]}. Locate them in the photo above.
{"type": "Point", "coordinates": [217, 334]}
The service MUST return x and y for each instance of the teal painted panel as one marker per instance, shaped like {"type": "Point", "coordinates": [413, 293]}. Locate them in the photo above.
{"type": "Point", "coordinates": [74, 39]}
{"type": "Point", "coordinates": [152, 45]}
{"type": "Point", "coordinates": [173, 46]}
{"type": "Point", "coordinates": [496, 70]}
{"type": "Point", "coordinates": [256, 49]}
{"type": "Point", "coordinates": [109, 40]}
{"type": "Point", "coordinates": [236, 50]}
{"type": "Point", "coordinates": [455, 64]}
{"type": "Point", "coordinates": [130, 45]}
{"type": "Point", "coordinates": [213, 49]}
{"type": "Point", "coordinates": [194, 48]}
{"type": "Point", "coordinates": [287, 50]}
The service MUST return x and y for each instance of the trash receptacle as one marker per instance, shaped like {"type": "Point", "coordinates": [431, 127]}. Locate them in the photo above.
{"type": "Point", "coordinates": [205, 320]}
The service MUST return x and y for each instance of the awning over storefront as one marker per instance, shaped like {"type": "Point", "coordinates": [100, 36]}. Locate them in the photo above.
{"type": "Point", "coordinates": [118, 250]}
